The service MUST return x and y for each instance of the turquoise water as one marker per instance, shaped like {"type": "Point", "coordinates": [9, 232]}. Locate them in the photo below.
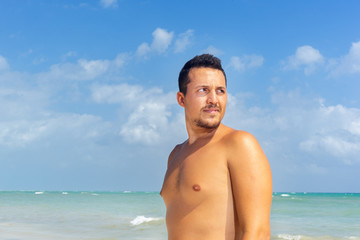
{"type": "Point", "coordinates": [139, 215]}
{"type": "Point", "coordinates": [81, 215]}
{"type": "Point", "coordinates": [315, 216]}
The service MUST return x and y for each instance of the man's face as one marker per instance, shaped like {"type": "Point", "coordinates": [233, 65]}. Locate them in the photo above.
{"type": "Point", "coordinates": [205, 99]}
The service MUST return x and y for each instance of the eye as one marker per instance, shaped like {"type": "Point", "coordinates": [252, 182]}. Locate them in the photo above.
{"type": "Point", "coordinates": [220, 91]}
{"type": "Point", "coordinates": [202, 90]}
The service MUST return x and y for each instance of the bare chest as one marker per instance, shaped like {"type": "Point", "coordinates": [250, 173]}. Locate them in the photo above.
{"type": "Point", "coordinates": [192, 177]}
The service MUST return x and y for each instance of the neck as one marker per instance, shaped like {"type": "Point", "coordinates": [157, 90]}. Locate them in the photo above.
{"type": "Point", "coordinates": [200, 133]}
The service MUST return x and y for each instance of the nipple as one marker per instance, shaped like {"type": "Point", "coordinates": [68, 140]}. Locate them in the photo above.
{"type": "Point", "coordinates": [196, 187]}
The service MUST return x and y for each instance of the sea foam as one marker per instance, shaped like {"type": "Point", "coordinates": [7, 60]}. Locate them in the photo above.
{"type": "Point", "coordinates": [142, 219]}
{"type": "Point", "coordinates": [289, 237]}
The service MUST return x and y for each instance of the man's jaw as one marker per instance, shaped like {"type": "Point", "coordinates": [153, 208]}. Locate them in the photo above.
{"type": "Point", "coordinates": [209, 120]}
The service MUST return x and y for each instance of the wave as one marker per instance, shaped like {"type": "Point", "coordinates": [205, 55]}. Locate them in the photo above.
{"type": "Point", "coordinates": [285, 236]}
{"type": "Point", "coordinates": [142, 219]}
{"type": "Point", "coordinates": [37, 193]}
{"type": "Point", "coordinates": [289, 237]}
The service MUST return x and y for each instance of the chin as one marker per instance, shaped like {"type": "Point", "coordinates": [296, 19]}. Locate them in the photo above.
{"type": "Point", "coordinates": [207, 125]}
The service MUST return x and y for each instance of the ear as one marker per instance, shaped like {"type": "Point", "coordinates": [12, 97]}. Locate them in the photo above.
{"type": "Point", "coordinates": [180, 98]}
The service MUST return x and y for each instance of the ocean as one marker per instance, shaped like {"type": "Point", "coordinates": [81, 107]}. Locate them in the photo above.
{"type": "Point", "coordinates": [30, 215]}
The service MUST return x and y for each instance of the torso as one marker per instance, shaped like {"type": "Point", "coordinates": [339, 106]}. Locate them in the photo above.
{"type": "Point", "coordinates": [197, 191]}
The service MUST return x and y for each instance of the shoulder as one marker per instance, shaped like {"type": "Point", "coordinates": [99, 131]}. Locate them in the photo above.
{"type": "Point", "coordinates": [237, 140]}
{"type": "Point", "coordinates": [240, 139]}
{"type": "Point", "coordinates": [243, 149]}
{"type": "Point", "coordinates": [239, 136]}
{"type": "Point", "coordinates": [175, 151]}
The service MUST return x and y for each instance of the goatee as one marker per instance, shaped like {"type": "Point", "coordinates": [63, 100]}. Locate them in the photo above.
{"type": "Point", "coordinates": [207, 125]}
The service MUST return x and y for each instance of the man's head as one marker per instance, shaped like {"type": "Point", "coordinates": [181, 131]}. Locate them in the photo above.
{"type": "Point", "coordinates": [204, 93]}
{"type": "Point", "coordinates": [201, 61]}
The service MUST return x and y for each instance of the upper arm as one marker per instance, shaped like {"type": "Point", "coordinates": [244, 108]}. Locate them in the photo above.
{"type": "Point", "coordinates": [171, 156]}
{"type": "Point", "coordinates": [173, 153]}
{"type": "Point", "coordinates": [251, 184]}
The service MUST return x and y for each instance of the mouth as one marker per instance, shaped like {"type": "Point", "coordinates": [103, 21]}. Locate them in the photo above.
{"type": "Point", "coordinates": [211, 110]}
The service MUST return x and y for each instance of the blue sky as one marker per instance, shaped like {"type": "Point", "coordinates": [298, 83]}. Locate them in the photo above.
{"type": "Point", "coordinates": [87, 89]}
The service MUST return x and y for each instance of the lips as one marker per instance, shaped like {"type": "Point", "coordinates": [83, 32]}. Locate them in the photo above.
{"type": "Point", "coordinates": [211, 109]}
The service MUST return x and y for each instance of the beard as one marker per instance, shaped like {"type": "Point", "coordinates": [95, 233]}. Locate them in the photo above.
{"type": "Point", "coordinates": [208, 125]}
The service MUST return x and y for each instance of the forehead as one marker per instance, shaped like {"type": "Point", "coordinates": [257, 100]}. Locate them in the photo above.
{"type": "Point", "coordinates": [206, 76]}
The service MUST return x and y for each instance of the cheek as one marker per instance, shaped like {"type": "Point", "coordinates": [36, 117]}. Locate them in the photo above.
{"type": "Point", "coordinates": [223, 99]}
{"type": "Point", "coordinates": [196, 102]}
{"type": "Point", "coordinates": [223, 103]}
{"type": "Point", "coordinates": [194, 106]}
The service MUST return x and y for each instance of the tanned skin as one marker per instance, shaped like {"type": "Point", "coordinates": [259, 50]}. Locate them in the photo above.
{"type": "Point", "coordinates": [218, 182]}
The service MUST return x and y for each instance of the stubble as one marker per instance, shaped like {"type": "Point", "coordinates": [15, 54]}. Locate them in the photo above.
{"type": "Point", "coordinates": [206, 124]}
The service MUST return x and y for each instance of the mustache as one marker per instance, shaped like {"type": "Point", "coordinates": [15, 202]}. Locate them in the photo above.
{"type": "Point", "coordinates": [210, 106]}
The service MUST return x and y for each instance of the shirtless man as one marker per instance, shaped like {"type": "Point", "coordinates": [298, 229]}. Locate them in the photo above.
{"type": "Point", "coordinates": [218, 183]}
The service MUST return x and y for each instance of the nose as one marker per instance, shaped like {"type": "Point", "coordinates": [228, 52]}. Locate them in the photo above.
{"type": "Point", "coordinates": [212, 97]}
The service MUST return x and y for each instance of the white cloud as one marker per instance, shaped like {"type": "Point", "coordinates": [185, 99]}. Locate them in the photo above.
{"type": "Point", "coordinates": [295, 123]}
{"type": "Point", "coordinates": [83, 69]}
{"type": "Point", "coordinates": [25, 118]}
{"type": "Point", "coordinates": [337, 146]}
{"type": "Point", "coordinates": [237, 64]}
{"type": "Point", "coordinates": [212, 50]}
{"type": "Point", "coordinates": [161, 40]}
{"type": "Point", "coordinates": [108, 3]}
{"type": "Point", "coordinates": [115, 94]}
{"type": "Point", "coordinates": [146, 122]}
{"type": "Point", "coordinates": [120, 60]}
{"type": "Point", "coordinates": [337, 133]}
{"type": "Point", "coordinates": [3, 64]}
{"type": "Point", "coordinates": [348, 64]}
{"type": "Point", "coordinates": [183, 41]}
{"type": "Point", "coordinates": [20, 133]}
{"type": "Point", "coordinates": [150, 110]}
{"type": "Point", "coordinates": [354, 127]}
{"type": "Point", "coordinates": [17, 103]}
{"type": "Point", "coordinates": [125, 93]}
{"type": "Point", "coordinates": [93, 67]}
{"type": "Point", "coordinates": [246, 62]}
{"type": "Point", "coordinates": [143, 49]}
{"type": "Point", "coordinates": [160, 43]}
{"type": "Point", "coordinates": [305, 57]}
{"type": "Point", "coordinates": [69, 55]}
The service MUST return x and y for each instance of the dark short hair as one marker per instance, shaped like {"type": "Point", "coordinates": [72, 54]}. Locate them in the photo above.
{"type": "Point", "coordinates": [204, 60]}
